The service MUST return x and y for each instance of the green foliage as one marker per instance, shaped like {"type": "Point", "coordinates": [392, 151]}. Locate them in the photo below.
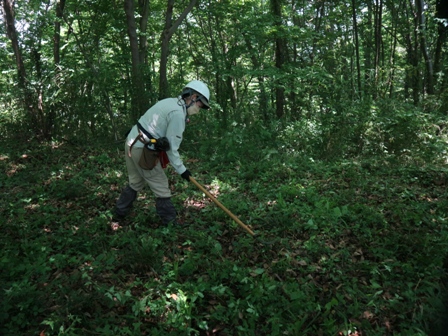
{"type": "Point", "coordinates": [388, 129]}
{"type": "Point", "coordinates": [343, 244]}
{"type": "Point", "coordinates": [346, 191]}
{"type": "Point", "coordinates": [230, 45]}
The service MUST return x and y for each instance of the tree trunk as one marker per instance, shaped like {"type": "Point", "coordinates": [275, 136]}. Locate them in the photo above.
{"type": "Point", "coordinates": [392, 61]}
{"type": "Point", "coordinates": [143, 6]}
{"type": "Point", "coordinates": [441, 39]}
{"type": "Point", "coordinates": [218, 54]}
{"type": "Point", "coordinates": [167, 33]}
{"type": "Point", "coordinates": [280, 57]}
{"type": "Point", "coordinates": [355, 32]}
{"type": "Point", "coordinates": [55, 103]}
{"type": "Point", "coordinates": [368, 51]}
{"type": "Point", "coordinates": [143, 40]}
{"type": "Point", "coordinates": [28, 97]}
{"type": "Point", "coordinates": [378, 42]}
{"type": "Point", "coordinates": [139, 105]}
{"type": "Point", "coordinates": [263, 99]}
{"type": "Point", "coordinates": [165, 39]}
{"type": "Point", "coordinates": [57, 31]}
{"type": "Point", "coordinates": [424, 47]}
{"type": "Point", "coordinates": [396, 10]}
{"type": "Point", "coordinates": [413, 47]}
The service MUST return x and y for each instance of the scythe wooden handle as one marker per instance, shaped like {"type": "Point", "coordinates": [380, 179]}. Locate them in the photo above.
{"type": "Point", "coordinates": [240, 223]}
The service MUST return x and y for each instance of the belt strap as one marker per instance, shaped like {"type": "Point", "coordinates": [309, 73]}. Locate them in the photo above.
{"type": "Point", "coordinates": [140, 137]}
{"type": "Point", "coordinates": [145, 132]}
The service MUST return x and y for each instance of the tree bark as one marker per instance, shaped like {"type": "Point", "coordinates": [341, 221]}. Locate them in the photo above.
{"type": "Point", "coordinates": [28, 97]}
{"type": "Point", "coordinates": [378, 42]}
{"type": "Point", "coordinates": [263, 99]}
{"type": "Point", "coordinates": [215, 41]}
{"type": "Point", "coordinates": [57, 31]}
{"type": "Point", "coordinates": [8, 10]}
{"type": "Point", "coordinates": [280, 57]}
{"type": "Point", "coordinates": [54, 105]}
{"type": "Point", "coordinates": [392, 61]}
{"type": "Point", "coordinates": [424, 47]}
{"type": "Point", "coordinates": [143, 40]}
{"type": "Point", "coordinates": [138, 92]}
{"type": "Point", "coordinates": [167, 33]}
{"type": "Point", "coordinates": [368, 51]}
{"type": "Point", "coordinates": [143, 49]}
{"type": "Point", "coordinates": [412, 48]}
{"type": "Point", "coordinates": [356, 36]}
{"type": "Point", "coordinates": [441, 40]}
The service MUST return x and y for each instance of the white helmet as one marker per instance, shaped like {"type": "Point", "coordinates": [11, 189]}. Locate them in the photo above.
{"type": "Point", "coordinates": [199, 87]}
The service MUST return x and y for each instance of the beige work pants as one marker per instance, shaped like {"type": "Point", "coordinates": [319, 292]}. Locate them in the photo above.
{"type": "Point", "coordinates": [155, 178]}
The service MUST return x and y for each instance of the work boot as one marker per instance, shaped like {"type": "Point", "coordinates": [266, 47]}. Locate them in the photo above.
{"type": "Point", "coordinates": [166, 210]}
{"type": "Point", "coordinates": [125, 201]}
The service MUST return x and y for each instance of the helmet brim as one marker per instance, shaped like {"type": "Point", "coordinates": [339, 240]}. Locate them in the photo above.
{"type": "Point", "coordinates": [204, 101]}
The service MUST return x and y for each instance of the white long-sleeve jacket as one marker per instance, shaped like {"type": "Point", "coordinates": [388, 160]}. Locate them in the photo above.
{"type": "Point", "coordinates": [164, 119]}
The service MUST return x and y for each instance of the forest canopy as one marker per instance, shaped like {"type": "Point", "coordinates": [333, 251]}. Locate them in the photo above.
{"type": "Point", "coordinates": [90, 68]}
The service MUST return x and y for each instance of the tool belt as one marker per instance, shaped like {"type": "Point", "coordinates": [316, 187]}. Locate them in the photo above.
{"type": "Point", "coordinates": [151, 156]}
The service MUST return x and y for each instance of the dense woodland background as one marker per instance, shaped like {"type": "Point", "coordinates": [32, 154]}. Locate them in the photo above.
{"type": "Point", "coordinates": [327, 135]}
{"type": "Point", "coordinates": [330, 67]}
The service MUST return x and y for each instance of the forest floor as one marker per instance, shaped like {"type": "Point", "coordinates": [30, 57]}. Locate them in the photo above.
{"type": "Point", "coordinates": [344, 247]}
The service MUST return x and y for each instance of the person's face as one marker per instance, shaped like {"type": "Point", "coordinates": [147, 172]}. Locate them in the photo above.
{"type": "Point", "coordinates": [196, 106]}
{"type": "Point", "coordinates": [200, 104]}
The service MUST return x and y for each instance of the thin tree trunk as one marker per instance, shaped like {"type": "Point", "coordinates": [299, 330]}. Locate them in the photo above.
{"type": "Point", "coordinates": [280, 58]}
{"type": "Point", "coordinates": [263, 99]}
{"type": "Point", "coordinates": [167, 33]}
{"type": "Point", "coordinates": [57, 31]}
{"type": "Point", "coordinates": [55, 104]}
{"type": "Point", "coordinates": [8, 11]}
{"type": "Point", "coordinates": [138, 93]}
{"type": "Point", "coordinates": [317, 20]}
{"type": "Point", "coordinates": [209, 25]}
{"type": "Point", "coordinates": [368, 53]}
{"type": "Point", "coordinates": [295, 104]}
{"type": "Point", "coordinates": [28, 97]}
{"type": "Point", "coordinates": [424, 47]}
{"type": "Point", "coordinates": [396, 9]}
{"type": "Point", "coordinates": [441, 40]}
{"type": "Point", "coordinates": [392, 61]}
{"type": "Point", "coordinates": [378, 41]}
{"type": "Point", "coordinates": [143, 47]}
{"type": "Point", "coordinates": [416, 60]}
{"type": "Point", "coordinates": [143, 40]}
{"type": "Point", "coordinates": [358, 65]}
{"type": "Point", "coordinates": [220, 52]}
{"type": "Point", "coordinates": [413, 47]}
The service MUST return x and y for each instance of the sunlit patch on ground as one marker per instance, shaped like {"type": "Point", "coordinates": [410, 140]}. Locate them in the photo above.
{"type": "Point", "coordinates": [194, 203]}
{"type": "Point", "coordinates": [115, 226]}
{"type": "Point", "coordinates": [353, 332]}
{"type": "Point", "coordinates": [14, 169]}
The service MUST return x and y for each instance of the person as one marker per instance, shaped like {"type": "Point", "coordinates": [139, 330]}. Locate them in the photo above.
{"type": "Point", "coordinates": [164, 121]}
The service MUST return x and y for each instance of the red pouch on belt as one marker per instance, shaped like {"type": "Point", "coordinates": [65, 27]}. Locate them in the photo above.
{"type": "Point", "coordinates": [164, 159]}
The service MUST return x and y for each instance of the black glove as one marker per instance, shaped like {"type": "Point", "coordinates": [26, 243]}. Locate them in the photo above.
{"type": "Point", "coordinates": [186, 175]}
